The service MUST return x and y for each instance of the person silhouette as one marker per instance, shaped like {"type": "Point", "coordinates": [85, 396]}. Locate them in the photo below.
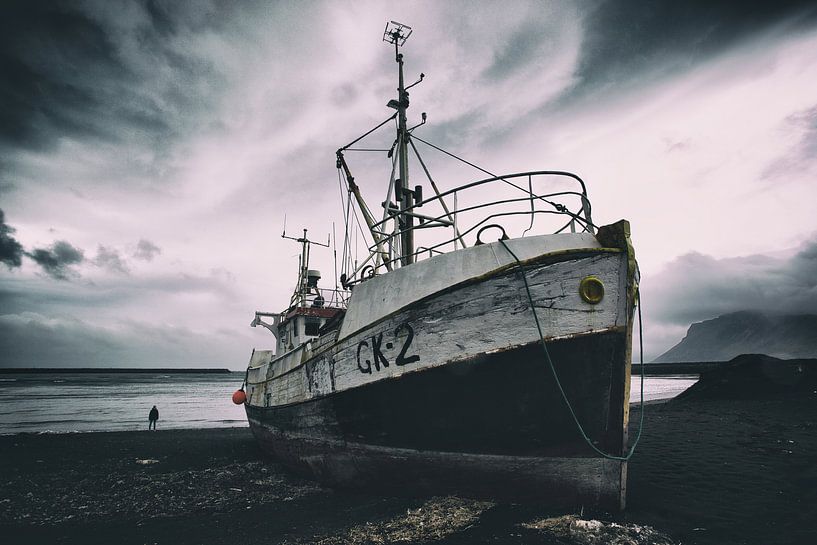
{"type": "Point", "coordinates": [153, 417]}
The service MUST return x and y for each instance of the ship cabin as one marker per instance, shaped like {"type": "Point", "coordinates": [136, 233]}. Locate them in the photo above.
{"type": "Point", "coordinates": [310, 310]}
{"type": "Point", "coordinates": [302, 324]}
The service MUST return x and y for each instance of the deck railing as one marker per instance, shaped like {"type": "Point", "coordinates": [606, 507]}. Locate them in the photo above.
{"type": "Point", "coordinates": [512, 204]}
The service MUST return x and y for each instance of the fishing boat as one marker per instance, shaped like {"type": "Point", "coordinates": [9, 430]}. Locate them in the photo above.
{"type": "Point", "coordinates": [463, 351]}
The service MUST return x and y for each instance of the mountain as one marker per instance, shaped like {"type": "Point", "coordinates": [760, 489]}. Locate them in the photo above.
{"type": "Point", "coordinates": [727, 336]}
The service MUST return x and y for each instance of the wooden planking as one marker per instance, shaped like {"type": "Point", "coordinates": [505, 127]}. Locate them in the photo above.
{"type": "Point", "coordinates": [382, 295]}
{"type": "Point", "coordinates": [486, 316]}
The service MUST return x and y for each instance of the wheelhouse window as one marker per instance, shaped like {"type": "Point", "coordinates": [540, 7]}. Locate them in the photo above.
{"type": "Point", "coordinates": [311, 326]}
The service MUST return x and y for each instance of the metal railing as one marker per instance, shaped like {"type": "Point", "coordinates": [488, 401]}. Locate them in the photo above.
{"type": "Point", "coordinates": [322, 298]}
{"type": "Point", "coordinates": [469, 210]}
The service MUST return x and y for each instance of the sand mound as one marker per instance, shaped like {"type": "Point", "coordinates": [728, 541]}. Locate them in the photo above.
{"type": "Point", "coordinates": [751, 376]}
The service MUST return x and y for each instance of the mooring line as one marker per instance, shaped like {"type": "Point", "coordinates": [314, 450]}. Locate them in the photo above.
{"type": "Point", "coordinates": [556, 376]}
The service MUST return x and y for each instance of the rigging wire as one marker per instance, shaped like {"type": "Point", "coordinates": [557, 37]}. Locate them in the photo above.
{"type": "Point", "coordinates": [558, 207]}
{"type": "Point", "coordinates": [365, 134]}
{"type": "Point", "coordinates": [553, 204]}
{"type": "Point", "coordinates": [437, 192]}
{"type": "Point", "coordinates": [489, 173]}
{"type": "Point", "coordinates": [335, 252]}
{"type": "Point", "coordinates": [346, 248]}
{"type": "Point", "coordinates": [360, 228]}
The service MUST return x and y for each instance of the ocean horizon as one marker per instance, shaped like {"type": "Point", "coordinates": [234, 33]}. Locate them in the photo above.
{"type": "Point", "coordinates": [68, 402]}
{"type": "Point", "coordinates": [84, 402]}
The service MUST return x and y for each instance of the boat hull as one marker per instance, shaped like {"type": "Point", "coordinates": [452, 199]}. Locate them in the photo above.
{"type": "Point", "coordinates": [492, 425]}
{"type": "Point", "coordinates": [453, 391]}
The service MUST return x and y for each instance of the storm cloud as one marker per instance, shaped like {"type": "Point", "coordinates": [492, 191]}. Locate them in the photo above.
{"type": "Point", "coordinates": [696, 287]}
{"type": "Point", "coordinates": [627, 40]}
{"type": "Point", "coordinates": [56, 261]}
{"type": "Point", "coordinates": [106, 74]}
{"type": "Point", "coordinates": [11, 251]}
{"type": "Point", "coordinates": [53, 58]}
{"type": "Point", "coordinates": [169, 139]}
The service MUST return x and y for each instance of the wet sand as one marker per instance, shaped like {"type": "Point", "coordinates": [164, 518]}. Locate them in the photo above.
{"type": "Point", "coordinates": [708, 471]}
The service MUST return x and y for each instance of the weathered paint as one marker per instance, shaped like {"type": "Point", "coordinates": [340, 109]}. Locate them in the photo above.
{"type": "Point", "coordinates": [617, 235]}
{"type": "Point", "coordinates": [469, 309]}
{"type": "Point", "coordinates": [385, 294]}
{"type": "Point", "coordinates": [489, 315]}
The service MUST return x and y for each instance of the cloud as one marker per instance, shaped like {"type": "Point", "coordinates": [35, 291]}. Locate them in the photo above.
{"type": "Point", "coordinates": [30, 339]}
{"type": "Point", "coordinates": [54, 58]}
{"type": "Point", "coordinates": [215, 119]}
{"type": "Point", "coordinates": [168, 296]}
{"type": "Point", "coordinates": [11, 252]}
{"type": "Point", "coordinates": [87, 78]}
{"type": "Point", "coordinates": [522, 44]}
{"type": "Point", "coordinates": [696, 287]}
{"type": "Point", "coordinates": [626, 38]}
{"type": "Point", "coordinates": [801, 157]}
{"type": "Point", "coordinates": [56, 261]}
{"type": "Point", "coordinates": [109, 259]}
{"type": "Point", "coordinates": [146, 250]}
{"type": "Point", "coordinates": [116, 320]}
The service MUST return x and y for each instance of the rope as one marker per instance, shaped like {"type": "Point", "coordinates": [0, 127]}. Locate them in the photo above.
{"type": "Point", "coordinates": [353, 210]}
{"type": "Point", "coordinates": [559, 384]}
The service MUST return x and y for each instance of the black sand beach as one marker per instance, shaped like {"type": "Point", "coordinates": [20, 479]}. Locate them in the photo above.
{"type": "Point", "coordinates": [707, 471]}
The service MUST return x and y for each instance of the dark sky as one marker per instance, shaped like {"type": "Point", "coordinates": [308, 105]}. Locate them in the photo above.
{"type": "Point", "coordinates": [150, 150]}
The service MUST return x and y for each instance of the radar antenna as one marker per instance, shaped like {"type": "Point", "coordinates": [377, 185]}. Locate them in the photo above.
{"type": "Point", "coordinates": [396, 33]}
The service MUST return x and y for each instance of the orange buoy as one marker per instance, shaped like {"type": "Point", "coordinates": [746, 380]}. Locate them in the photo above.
{"type": "Point", "coordinates": [239, 397]}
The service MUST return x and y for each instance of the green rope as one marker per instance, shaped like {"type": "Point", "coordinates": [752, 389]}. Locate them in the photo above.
{"type": "Point", "coordinates": [559, 384]}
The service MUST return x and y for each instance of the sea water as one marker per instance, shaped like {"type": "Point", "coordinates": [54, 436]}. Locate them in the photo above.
{"type": "Point", "coordinates": [88, 402]}
{"type": "Point", "coordinates": [659, 388]}
{"type": "Point", "coordinates": [84, 402]}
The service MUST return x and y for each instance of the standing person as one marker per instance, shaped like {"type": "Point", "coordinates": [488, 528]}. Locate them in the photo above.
{"type": "Point", "coordinates": [153, 417]}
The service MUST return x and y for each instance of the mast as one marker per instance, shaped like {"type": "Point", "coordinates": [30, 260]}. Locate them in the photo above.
{"type": "Point", "coordinates": [302, 288]}
{"type": "Point", "coordinates": [397, 34]}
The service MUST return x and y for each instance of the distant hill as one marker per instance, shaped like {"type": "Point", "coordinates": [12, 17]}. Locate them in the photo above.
{"type": "Point", "coordinates": [755, 376]}
{"type": "Point", "coordinates": [727, 336]}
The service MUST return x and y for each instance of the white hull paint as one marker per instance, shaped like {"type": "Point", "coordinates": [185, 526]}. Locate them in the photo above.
{"type": "Point", "coordinates": [475, 316]}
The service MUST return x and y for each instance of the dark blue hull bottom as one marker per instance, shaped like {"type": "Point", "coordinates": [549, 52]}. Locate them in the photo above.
{"type": "Point", "coordinates": [494, 426]}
